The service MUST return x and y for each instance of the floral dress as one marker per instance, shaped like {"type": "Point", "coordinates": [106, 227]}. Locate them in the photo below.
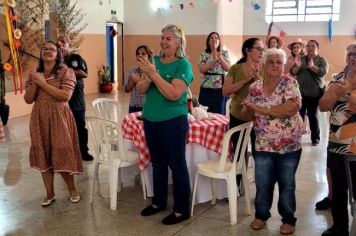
{"type": "Point", "coordinates": [274, 134]}
{"type": "Point", "coordinates": [136, 99]}
{"type": "Point", "coordinates": [53, 132]}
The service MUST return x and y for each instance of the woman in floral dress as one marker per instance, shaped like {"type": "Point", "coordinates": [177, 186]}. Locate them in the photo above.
{"type": "Point", "coordinates": [275, 102]}
{"type": "Point", "coordinates": [54, 139]}
{"type": "Point", "coordinates": [214, 63]}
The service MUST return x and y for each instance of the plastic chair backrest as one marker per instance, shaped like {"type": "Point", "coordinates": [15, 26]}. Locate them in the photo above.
{"type": "Point", "coordinates": [108, 109]}
{"type": "Point", "coordinates": [241, 147]}
{"type": "Point", "coordinates": [105, 137]}
{"type": "Point", "coordinates": [227, 107]}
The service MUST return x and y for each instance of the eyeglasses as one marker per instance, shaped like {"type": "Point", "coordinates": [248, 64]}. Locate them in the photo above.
{"type": "Point", "coordinates": [352, 56]}
{"type": "Point", "coordinates": [49, 49]}
{"type": "Point", "coordinates": [259, 49]}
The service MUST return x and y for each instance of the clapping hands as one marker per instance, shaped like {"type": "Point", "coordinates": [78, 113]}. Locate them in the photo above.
{"type": "Point", "coordinates": [340, 88]}
{"type": "Point", "coordinates": [146, 66]}
{"type": "Point", "coordinates": [38, 79]}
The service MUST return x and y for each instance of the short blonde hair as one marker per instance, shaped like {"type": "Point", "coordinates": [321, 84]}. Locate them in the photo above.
{"type": "Point", "coordinates": [179, 33]}
{"type": "Point", "coordinates": [274, 51]}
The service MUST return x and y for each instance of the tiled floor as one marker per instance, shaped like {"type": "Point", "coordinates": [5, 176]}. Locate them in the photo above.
{"type": "Point", "coordinates": [21, 192]}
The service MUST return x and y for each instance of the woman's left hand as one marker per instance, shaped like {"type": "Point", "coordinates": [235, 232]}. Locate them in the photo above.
{"type": "Point", "coordinates": [146, 66]}
{"type": "Point", "coordinates": [39, 79]}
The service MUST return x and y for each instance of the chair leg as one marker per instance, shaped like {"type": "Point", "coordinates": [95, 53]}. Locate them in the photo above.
{"type": "Point", "coordinates": [143, 183]}
{"type": "Point", "coordinates": [194, 193]}
{"type": "Point", "coordinates": [113, 178]}
{"type": "Point", "coordinates": [119, 184]}
{"type": "Point", "coordinates": [232, 193]}
{"type": "Point", "coordinates": [95, 178]}
{"type": "Point", "coordinates": [213, 191]}
{"type": "Point", "coordinates": [246, 190]}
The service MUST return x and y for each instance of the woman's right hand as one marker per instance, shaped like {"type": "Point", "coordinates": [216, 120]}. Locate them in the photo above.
{"type": "Point", "coordinates": [340, 88]}
{"type": "Point", "coordinates": [298, 61]}
{"type": "Point", "coordinates": [252, 73]}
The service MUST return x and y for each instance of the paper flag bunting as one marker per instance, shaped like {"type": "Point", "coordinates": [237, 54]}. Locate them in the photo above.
{"type": "Point", "coordinates": [282, 34]}
{"type": "Point", "coordinates": [330, 30]}
{"type": "Point", "coordinates": [256, 6]}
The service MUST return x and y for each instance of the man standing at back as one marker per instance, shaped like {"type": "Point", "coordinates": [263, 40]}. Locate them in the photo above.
{"type": "Point", "coordinates": [77, 102]}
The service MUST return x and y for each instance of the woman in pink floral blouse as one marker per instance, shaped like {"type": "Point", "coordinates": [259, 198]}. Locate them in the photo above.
{"type": "Point", "coordinates": [275, 102]}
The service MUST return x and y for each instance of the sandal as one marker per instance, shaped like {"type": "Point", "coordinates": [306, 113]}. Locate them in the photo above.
{"type": "Point", "coordinates": [287, 229]}
{"type": "Point", "coordinates": [258, 224]}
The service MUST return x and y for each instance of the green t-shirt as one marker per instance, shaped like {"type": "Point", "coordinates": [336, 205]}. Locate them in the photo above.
{"type": "Point", "coordinates": [237, 74]}
{"type": "Point", "coordinates": [157, 107]}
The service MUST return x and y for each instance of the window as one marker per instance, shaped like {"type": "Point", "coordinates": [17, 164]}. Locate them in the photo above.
{"type": "Point", "coordinates": [302, 10]}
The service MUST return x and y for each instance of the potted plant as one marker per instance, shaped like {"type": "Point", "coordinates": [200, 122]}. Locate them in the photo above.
{"type": "Point", "coordinates": [105, 79]}
{"type": "Point", "coordinates": [4, 108]}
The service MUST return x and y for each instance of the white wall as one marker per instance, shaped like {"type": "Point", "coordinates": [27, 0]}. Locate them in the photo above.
{"type": "Point", "coordinates": [230, 17]}
{"type": "Point", "coordinates": [255, 24]}
{"type": "Point", "coordinates": [141, 19]}
{"type": "Point", "coordinates": [97, 15]}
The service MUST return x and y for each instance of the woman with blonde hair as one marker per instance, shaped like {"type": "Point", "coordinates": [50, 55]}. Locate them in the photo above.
{"type": "Point", "coordinates": [165, 122]}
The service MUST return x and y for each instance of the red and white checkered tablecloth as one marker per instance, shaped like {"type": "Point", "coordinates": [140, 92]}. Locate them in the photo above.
{"type": "Point", "coordinates": [208, 133]}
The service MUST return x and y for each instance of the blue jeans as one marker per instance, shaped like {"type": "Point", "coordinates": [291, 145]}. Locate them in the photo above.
{"type": "Point", "coordinates": [166, 143]}
{"type": "Point", "coordinates": [269, 169]}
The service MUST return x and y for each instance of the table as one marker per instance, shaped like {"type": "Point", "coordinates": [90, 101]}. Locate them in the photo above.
{"type": "Point", "coordinates": [204, 142]}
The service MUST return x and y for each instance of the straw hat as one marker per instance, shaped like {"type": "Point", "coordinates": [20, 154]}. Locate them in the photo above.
{"type": "Point", "coordinates": [299, 41]}
{"type": "Point", "coordinates": [279, 40]}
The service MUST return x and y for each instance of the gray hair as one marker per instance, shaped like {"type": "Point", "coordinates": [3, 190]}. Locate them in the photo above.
{"type": "Point", "coordinates": [350, 47]}
{"type": "Point", "coordinates": [274, 51]}
{"type": "Point", "coordinates": [178, 32]}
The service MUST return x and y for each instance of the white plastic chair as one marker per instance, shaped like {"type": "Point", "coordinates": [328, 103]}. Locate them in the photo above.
{"type": "Point", "coordinates": [110, 109]}
{"type": "Point", "coordinates": [107, 142]}
{"type": "Point", "coordinates": [225, 169]}
{"type": "Point", "coordinates": [107, 108]}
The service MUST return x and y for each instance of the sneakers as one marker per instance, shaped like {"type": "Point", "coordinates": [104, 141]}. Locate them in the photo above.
{"type": "Point", "coordinates": [334, 232]}
{"type": "Point", "coordinates": [150, 210]}
{"type": "Point", "coordinates": [324, 204]}
{"type": "Point", "coordinates": [287, 229]}
{"type": "Point", "coordinates": [258, 224]}
{"type": "Point", "coordinates": [174, 219]}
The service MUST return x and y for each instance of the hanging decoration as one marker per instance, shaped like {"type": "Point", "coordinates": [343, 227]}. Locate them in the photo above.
{"type": "Point", "coordinates": [15, 44]}
{"type": "Point", "coordinates": [255, 5]}
{"type": "Point", "coordinates": [330, 29]}
{"type": "Point", "coordinates": [191, 4]}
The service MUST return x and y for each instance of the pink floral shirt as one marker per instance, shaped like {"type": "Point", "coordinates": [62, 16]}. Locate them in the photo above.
{"type": "Point", "coordinates": [273, 134]}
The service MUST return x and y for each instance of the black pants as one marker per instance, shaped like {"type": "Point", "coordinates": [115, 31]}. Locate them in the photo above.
{"type": "Point", "coordinates": [310, 106]}
{"type": "Point", "coordinates": [213, 99]}
{"type": "Point", "coordinates": [79, 117]}
{"type": "Point", "coordinates": [339, 203]}
{"type": "Point", "coordinates": [166, 143]}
